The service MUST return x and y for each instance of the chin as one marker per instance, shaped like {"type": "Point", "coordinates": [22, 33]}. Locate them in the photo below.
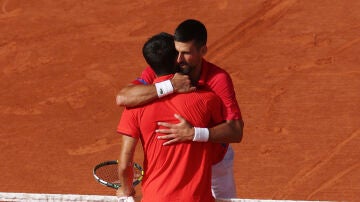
{"type": "Point", "coordinates": [185, 70]}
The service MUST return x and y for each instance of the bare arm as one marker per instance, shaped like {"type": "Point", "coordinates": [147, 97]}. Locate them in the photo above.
{"type": "Point", "coordinates": [125, 167]}
{"type": "Point", "coordinates": [136, 95]}
{"type": "Point", "coordinates": [230, 131]}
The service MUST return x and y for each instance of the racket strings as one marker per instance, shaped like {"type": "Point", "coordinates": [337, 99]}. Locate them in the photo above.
{"type": "Point", "coordinates": [109, 173]}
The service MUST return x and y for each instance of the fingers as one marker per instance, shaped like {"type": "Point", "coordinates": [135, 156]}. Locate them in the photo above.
{"type": "Point", "coordinates": [126, 199]}
{"type": "Point", "coordinates": [172, 139]}
{"type": "Point", "coordinates": [182, 83]}
{"type": "Point", "coordinates": [170, 142]}
{"type": "Point", "coordinates": [175, 133]}
{"type": "Point", "coordinates": [164, 131]}
{"type": "Point", "coordinates": [168, 125]}
{"type": "Point", "coordinates": [187, 89]}
{"type": "Point", "coordinates": [192, 89]}
{"type": "Point", "coordinates": [124, 193]}
{"type": "Point", "coordinates": [180, 118]}
{"type": "Point", "coordinates": [166, 137]}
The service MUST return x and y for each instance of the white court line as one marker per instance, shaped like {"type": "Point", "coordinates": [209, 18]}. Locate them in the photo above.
{"type": "Point", "coordinates": [6, 196]}
{"type": "Point", "coordinates": [260, 200]}
{"type": "Point", "coordinates": [54, 197]}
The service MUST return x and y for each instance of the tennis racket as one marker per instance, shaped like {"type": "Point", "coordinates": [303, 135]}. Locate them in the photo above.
{"type": "Point", "coordinates": [106, 173]}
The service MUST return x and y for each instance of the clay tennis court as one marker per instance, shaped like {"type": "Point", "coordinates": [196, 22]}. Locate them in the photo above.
{"type": "Point", "coordinates": [294, 64]}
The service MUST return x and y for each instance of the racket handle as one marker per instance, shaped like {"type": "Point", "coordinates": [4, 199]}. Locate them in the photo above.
{"type": "Point", "coordinates": [126, 199]}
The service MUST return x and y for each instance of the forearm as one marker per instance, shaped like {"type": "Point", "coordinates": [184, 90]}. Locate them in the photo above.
{"type": "Point", "coordinates": [126, 175]}
{"type": "Point", "coordinates": [136, 95]}
{"type": "Point", "coordinates": [125, 167]}
{"type": "Point", "coordinates": [228, 132]}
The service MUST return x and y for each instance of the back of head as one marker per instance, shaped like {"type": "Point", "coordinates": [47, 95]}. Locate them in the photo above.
{"type": "Point", "coordinates": [190, 30]}
{"type": "Point", "coordinates": [160, 53]}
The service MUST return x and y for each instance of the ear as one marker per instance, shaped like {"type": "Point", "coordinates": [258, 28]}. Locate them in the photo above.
{"type": "Point", "coordinates": [203, 50]}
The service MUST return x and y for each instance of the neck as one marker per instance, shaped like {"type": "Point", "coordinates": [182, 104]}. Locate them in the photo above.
{"type": "Point", "coordinates": [195, 75]}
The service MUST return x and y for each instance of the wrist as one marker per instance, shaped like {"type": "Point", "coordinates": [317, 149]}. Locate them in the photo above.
{"type": "Point", "coordinates": [201, 134]}
{"type": "Point", "coordinates": [164, 88]}
{"type": "Point", "coordinates": [172, 84]}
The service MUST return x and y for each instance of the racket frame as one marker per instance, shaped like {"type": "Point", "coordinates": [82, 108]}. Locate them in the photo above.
{"type": "Point", "coordinates": [112, 185]}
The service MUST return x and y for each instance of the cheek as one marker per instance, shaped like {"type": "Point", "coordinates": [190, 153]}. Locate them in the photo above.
{"type": "Point", "coordinates": [190, 59]}
{"type": "Point", "coordinates": [193, 60]}
{"type": "Point", "coordinates": [187, 58]}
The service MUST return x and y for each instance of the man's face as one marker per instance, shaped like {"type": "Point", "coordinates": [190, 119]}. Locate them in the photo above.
{"type": "Point", "coordinates": [189, 58]}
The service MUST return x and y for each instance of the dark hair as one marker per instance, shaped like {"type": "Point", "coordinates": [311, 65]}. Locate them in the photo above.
{"type": "Point", "coordinates": [190, 30]}
{"type": "Point", "coordinates": [160, 53]}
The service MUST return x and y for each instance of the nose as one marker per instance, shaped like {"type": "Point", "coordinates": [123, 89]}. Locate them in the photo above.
{"type": "Point", "coordinates": [179, 58]}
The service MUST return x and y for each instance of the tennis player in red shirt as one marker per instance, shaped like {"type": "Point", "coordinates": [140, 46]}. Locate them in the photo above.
{"type": "Point", "coordinates": [181, 171]}
{"type": "Point", "coordinates": [197, 73]}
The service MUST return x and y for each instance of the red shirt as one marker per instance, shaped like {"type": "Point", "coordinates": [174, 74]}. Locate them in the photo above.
{"type": "Point", "coordinates": [179, 172]}
{"type": "Point", "coordinates": [212, 78]}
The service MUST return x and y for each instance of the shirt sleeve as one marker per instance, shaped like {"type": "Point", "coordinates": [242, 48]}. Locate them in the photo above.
{"type": "Point", "coordinates": [225, 90]}
{"type": "Point", "coordinates": [129, 124]}
{"type": "Point", "coordinates": [217, 116]}
{"type": "Point", "coordinates": [147, 77]}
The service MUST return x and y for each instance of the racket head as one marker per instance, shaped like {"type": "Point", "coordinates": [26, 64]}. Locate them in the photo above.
{"type": "Point", "coordinates": [106, 173]}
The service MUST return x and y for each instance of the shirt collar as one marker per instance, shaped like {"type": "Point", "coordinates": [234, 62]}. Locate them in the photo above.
{"type": "Point", "coordinates": [204, 72]}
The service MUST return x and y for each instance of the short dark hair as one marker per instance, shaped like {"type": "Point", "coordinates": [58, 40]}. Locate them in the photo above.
{"type": "Point", "coordinates": [190, 30]}
{"type": "Point", "coordinates": [160, 53]}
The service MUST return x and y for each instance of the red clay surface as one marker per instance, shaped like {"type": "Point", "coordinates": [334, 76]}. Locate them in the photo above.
{"type": "Point", "coordinates": [294, 64]}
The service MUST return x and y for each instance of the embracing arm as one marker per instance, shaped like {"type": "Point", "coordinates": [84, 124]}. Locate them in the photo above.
{"type": "Point", "coordinates": [125, 167]}
{"type": "Point", "coordinates": [136, 95]}
{"type": "Point", "coordinates": [230, 131]}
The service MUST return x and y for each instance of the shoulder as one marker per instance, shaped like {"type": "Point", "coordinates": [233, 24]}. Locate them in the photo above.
{"type": "Point", "coordinates": [217, 77]}
{"type": "Point", "coordinates": [198, 96]}
{"type": "Point", "coordinates": [148, 75]}
{"type": "Point", "coordinates": [131, 111]}
{"type": "Point", "coordinates": [206, 97]}
{"type": "Point", "coordinates": [215, 72]}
